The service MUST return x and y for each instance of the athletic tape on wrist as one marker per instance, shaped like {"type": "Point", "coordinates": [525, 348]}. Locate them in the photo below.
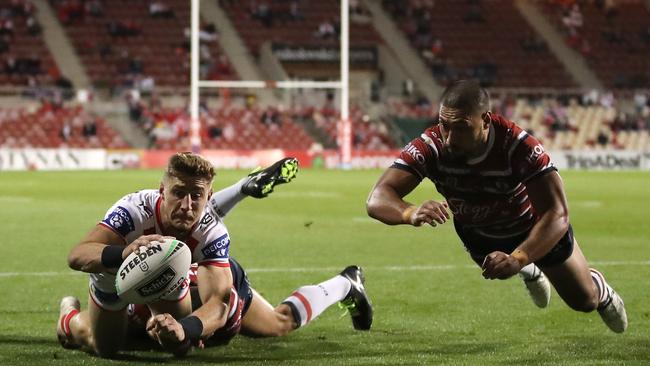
{"type": "Point", "coordinates": [521, 257]}
{"type": "Point", "coordinates": [406, 214]}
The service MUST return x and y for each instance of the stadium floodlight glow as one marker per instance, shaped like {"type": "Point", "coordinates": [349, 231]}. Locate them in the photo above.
{"type": "Point", "coordinates": [344, 127]}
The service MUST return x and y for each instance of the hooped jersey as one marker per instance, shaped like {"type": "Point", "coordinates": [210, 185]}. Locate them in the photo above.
{"type": "Point", "coordinates": [138, 214]}
{"type": "Point", "coordinates": [487, 193]}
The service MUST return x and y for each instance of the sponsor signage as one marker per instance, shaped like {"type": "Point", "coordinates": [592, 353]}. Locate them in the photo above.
{"type": "Point", "coordinates": [52, 159]}
{"type": "Point", "coordinates": [601, 160]}
{"type": "Point", "coordinates": [84, 159]}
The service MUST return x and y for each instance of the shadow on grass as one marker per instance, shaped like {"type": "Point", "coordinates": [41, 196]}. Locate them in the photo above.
{"type": "Point", "coordinates": [28, 341]}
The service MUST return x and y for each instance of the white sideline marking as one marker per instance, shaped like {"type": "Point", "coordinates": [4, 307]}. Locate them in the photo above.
{"type": "Point", "coordinates": [441, 267]}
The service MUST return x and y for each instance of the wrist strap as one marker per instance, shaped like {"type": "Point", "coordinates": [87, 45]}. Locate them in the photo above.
{"type": "Point", "coordinates": [521, 257]}
{"type": "Point", "coordinates": [112, 256]}
{"type": "Point", "coordinates": [193, 328]}
{"type": "Point", "coordinates": [406, 214]}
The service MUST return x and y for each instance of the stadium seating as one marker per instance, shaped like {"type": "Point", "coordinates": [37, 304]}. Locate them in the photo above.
{"type": "Point", "coordinates": [484, 42]}
{"type": "Point", "coordinates": [43, 128]}
{"type": "Point", "coordinates": [585, 123]}
{"type": "Point", "coordinates": [618, 40]}
{"type": "Point", "coordinates": [157, 44]}
{"type": "Point", "coordinates": [23, 47]}
{"type": "Point", "coordinates": [228, 128]}
{"type": "Point", "coordinates": [300, 32]}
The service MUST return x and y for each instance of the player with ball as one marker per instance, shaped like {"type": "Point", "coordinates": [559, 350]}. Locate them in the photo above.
{"type": "Point", "coordinates": [141, 252]}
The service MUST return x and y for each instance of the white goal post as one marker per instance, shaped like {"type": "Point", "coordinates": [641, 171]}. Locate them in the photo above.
{"type": "Point", "coordinates": [344, 125]}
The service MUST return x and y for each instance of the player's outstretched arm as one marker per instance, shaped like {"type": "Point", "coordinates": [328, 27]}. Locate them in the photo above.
{"type": "Point", "coordinates": [386, 201]}
{"type": "Point", "coordinates": [214, 289]}
{"type": "Point", "coordinates": [102, 249]}
{"type": "Point", "coordinates": [549, 201]}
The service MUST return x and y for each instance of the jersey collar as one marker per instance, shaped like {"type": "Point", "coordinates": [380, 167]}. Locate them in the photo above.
{"type": "Point", "coordinates": [490, 143]}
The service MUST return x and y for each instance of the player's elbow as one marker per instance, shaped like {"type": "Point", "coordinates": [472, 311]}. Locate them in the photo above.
{"type": "Point", "coordinates": [373, 204]}
{"type": "Point", "coordinates": [75, 259]}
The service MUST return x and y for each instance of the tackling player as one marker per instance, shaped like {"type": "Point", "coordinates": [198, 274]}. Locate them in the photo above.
{"type": "Point", "coordinates": [185, 208]}
{"type": "Point", "coordinates": [507, 198]}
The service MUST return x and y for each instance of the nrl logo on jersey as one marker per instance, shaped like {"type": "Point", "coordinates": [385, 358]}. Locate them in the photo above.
{"type": "Point", "coordinates": [120, 220]}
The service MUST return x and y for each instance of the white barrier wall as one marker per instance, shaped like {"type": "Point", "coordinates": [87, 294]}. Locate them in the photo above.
{"type": "Point", "coordinates": [601, 160]}
{"type": "Point", "coordinates": [52, 159]}
{"type": "Point", "coordinates": [80, 159]}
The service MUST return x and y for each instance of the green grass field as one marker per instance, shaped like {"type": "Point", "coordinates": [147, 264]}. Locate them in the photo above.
{"type": "Point", "coordinates": [431, 305]}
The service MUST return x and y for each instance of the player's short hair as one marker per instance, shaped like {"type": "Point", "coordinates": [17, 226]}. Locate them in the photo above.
{"type": "Point", "coordinates": [188, 164]}
{"type": "Point", "coordinates": [466, 95]}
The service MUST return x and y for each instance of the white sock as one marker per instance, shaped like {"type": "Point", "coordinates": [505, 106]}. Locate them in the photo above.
{"type": "Point", "coordinates": [530, 271]}
{"type": "Point", "coordinates": [227, 198]}
{"type": "Point", "coordinates": [308, 302]}
{"type": "Point", "coordinates": [604, 291]}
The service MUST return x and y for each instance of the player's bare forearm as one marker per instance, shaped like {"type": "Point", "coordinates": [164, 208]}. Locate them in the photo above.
{"type": "Point", "coordinates": [386, 200]}
{"type": "Point", "coordinates": [214, 288]}
{"type": "Point", "coordinates": [86, 257]}
{"type": "Point", "coordinates": [386, 206]}
{"type": "Point", "coordinates": [549, 201]}
{"type": "Point", "coordinates": [544, 235]}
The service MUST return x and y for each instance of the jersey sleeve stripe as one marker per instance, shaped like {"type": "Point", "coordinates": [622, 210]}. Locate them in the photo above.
{"type": "Point", "coordinates": [429, 142]}
{"type": "Point", "coordinates": [521, 137]}
{"type": "Point", "coordinates": [547, 169]}
{"type": "Point", "coordinates": [401, 165]}
{"type": "Point", "coordinates": [214, 263]}
{"type": "Point", "coordinates": [103, 224]}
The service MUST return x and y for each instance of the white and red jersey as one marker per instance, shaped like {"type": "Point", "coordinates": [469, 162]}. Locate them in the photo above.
{"type": "Point", "coordinates": [138, 214]}
{"type": "Point", "coordinates": [487, 193]}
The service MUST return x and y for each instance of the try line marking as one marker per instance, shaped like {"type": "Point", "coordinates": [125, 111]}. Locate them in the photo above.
{"type": "Point", "coordinates": [335, 269]}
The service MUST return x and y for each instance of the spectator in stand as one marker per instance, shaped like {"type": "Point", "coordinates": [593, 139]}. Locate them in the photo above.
{"type": "Point", "coordinates": [94, 8]}
{"type": "Point", "coordinates": [70, 11]}
{"type": "Point", "coordinates": [264, 13]}
{"type": "Point", "coordinates": [208, 33]}
{"type": "Point", "coordinates": [271, 117]}
{"type": "Point", "coordinates": [294, 10]}
{"type": "Point", "coordinates": [573, 19]}
{"type": "Point", "coordinates": [603, 138]}
{"type": "Point", "coordinates": [66, 131]}
{"type": "Point", "coordinates": [6, 26]}
{"type": "Point", "coordinates": [640, 102]}
{"type": "Point", "coordinates": [89, 128]}
{"type": "Point", "coordinates": [326, 30]}
{"type": "Point", "coordinates": [158, 9]}
{"type": "Point", "coordinates": [33, 27]}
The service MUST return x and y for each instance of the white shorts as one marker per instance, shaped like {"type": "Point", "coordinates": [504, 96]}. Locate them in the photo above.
{"type": "Point", "coordinates": [104, 294]}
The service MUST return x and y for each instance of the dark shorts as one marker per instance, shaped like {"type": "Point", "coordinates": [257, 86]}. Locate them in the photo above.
{"type": "Point", "coordinates": [240, 282]}
{"type": "Point", "coordinates": [479, 245]}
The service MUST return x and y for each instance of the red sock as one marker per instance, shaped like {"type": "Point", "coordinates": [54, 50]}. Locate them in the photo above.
{"type": "Point", "coordinates": [65, 321]}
